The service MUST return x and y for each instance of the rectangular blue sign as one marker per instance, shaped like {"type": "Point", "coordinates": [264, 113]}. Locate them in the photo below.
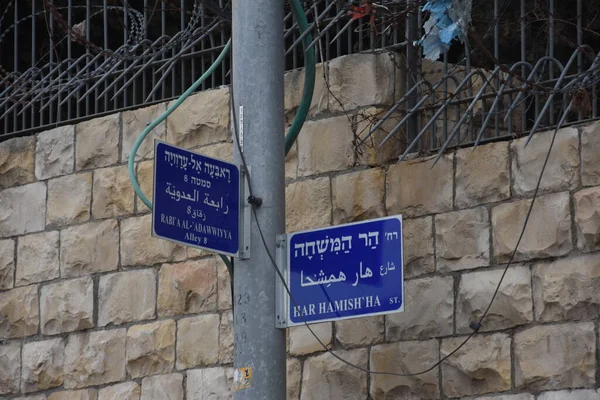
{"type": "Point", "coordinates": [346, 271]}
{"type": "Point", "coordinates": [196, 200]}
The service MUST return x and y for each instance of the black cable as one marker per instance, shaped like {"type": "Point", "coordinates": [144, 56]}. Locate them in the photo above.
{"type": "Point", "coordinates": [475, 325]}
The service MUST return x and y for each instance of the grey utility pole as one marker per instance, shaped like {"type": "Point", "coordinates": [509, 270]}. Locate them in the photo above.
{"type": "Point", "coordinates": [258, 65]}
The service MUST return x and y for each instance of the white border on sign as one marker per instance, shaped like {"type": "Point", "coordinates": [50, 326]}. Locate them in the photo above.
{"type": "Point", "coordinates": [287, 272]}
{"type": "Point", "coordinates": [240, 205]}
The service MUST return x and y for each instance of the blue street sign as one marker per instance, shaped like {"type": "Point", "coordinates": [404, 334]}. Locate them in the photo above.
{"type": "Point", "coordinates": [196, 200]}
{"type": "Point", "coordinates": [341, 272]}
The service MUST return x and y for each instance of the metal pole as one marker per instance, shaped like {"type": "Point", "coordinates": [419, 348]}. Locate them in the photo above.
{"type": "Point", "coordinates": [258, 87]}
{"type": "Point", "coordinates": [412, 63]}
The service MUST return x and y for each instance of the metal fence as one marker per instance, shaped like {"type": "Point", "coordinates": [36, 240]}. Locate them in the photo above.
{"type": "Point", "coordinates": [66, 61]}
{"type": "Point", "coordinates": [524, 66]}
{"type": "Point", "coordinates": [520, 65]}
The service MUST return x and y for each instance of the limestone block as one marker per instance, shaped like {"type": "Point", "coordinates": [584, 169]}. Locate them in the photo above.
{"type": "Point", "coordinates": [224, 286]}
{"type": "Point", "coordinates": [42, 365]}
{"type": "Point", "coordinates": [358, 196]}
{"type": "Point", "coordinates": [210, 384]}
{"type": "Point", "coordinates": [221, 151]}
{"type": "Point", "coordinates": [67, 306]}
{"type": "Point", "coordinates": [145, 176]}
{"type": "Point", "coordinates": [567, 288]}
{"type": "Point", "coordinates": [325, 146]}
{"type": "Point", "coordinates": [360, 80]}
{"type": "Point", "coordinates": [302, 341]}
{"type": "Point", "coordinates": [23, 209]}
{"type": "Point", "coordinates": [189, 354]}
{"type": "Point", "coordinates": [360, 332]}
{"type": "Point", "coordinates": [94, 358]}
{"type": "Point", "coordinates": [19, 312]}
{"type": "Point", "coordinates": [151, 348]}
{"type": "Point", "coordinates": [87, 394]}
{"type": "Point", "coordinates": [587, 218]}
{"type": "Point", "coordinates": [418, 246]}
{"type": "Point", "coordinates": [113, 193]}
{"type": "Point", "coordinates": [520, 396]}
{"type": "Point", "coordinates": [17, 157]}
{"type": "Point", "coordinates": [512, 305]}
{"type": "Point", "coordinates": [414, 188]}
{"type": "Point", "coordinates": [582, 394]}
{"type": "Point", "coordinates": [590, 155]}
{"type": "Point", "coordinates": [188, 287]}
{"type": "Point", "coordinates": [55, 152]}
{"type": "Point", "coordinates": [325, 377]}
{"type": "Point", "coordinates": [563, 166]}
{"type": "Point", "coordinates": [370, 153]}
{"type": "Point", "coordinates": [405, 357]}
{"type": "Point", "coordinates": [37, 258]}
{"type": "Point", "coordinates": [126, 296]}
{"type": "Point", "coordinates": [308, 204]}
{"type": "Point", "coordinates": [226, 338]}
{"type": "Point", "coordinates": [35, 397]}
{"type": "Point", "coordinates": [10, 368]}
{"type": "Point", "coordinates": [121, 391]}
{"type": "Point", "coordinates": [139, 248]}
{"type": "Point", "coordinates": [7, 263]}
{"type": "Point", "coordinates": [97, 143]}
{"type": "Point", "coordinates": [484, 366]}
{"type": "Point", "coordinates": [482, 175]}
{"type": "Point", "coordinates": [89, 248]}
{"type": "Point", "coordinates": [134, 122]}
{"type": "Point", "coordinates": [549, 227]}
{"type": "Point", "coordinates": [69, 199]}
{"type": "Point", "coordinates": [294, 378]}
{"type": "Point", "coordinates": [555, 357]}
{"type": "Point", "coordinates": [163, 387]}
{"type": "Point", "coordinates": [202, 119]}
{"type": "Point", "coordinates": [291, 162]}
{"type": "Point", "coordinates": [293, 81]}
{"type": "Point", "coordinates": [429, 313]}
{"type": "Point", "coordinates": [462, 239]}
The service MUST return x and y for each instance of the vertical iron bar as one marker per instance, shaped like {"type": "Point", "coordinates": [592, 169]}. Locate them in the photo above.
{"type": "Point", "coordinates": [551, 52]}
{"type": "Point", "coordinates": [105, 23]}
{"type": "Point", "coordinates": [33, 55]}
{"type": "Point", "coordinates": [202, 46]}
{"type": "Point", "coordinates": [163, 56]}
{"type": "Point", "coordinates": [145, 73]}
{"type": "Point", "coordinates": [125, 40]}
{"type": "Point", "coordinates": [53, 117]}
{"type": "Point", "coordinates": [579, 43]}
{"type": "Point", "coordinates": [182, 27]}
{"type": "Point", "coordinates": [412, 67]}
{"type": "Point", "coordinates": [15, 55]}
{"type": "Point", "coordinates": [88, 11]}
{"type": "Point", "coordinates": [193, 64]}
{"type": "Point", "coordinates": [338, 44]}
{"type": "Point", "coordinates": [445, 94]}
{"type": "Point", "coordinates": [497, 57]}
{"type": "Point", "coordinates": [523, 68]}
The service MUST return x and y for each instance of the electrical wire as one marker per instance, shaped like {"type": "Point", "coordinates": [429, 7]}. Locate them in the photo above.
{"type": "Point", "coordinates": [475, 325]}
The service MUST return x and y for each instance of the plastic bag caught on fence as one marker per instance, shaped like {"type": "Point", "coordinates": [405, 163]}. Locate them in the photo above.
{"type": "Point", "coordinates": [448, 20]}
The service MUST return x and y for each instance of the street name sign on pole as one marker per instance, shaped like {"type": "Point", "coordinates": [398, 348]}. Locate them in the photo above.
{"type": "Point", "coordinates": [197, 201]}
{"type": "Point", "coordinates": [341, 272]}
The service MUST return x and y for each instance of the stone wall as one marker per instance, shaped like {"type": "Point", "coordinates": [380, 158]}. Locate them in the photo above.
{"type": "Point", "coordinates": [92, 307]}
